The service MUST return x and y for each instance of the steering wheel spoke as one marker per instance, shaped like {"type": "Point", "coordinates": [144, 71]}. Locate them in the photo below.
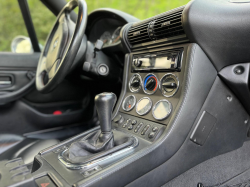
{"type": "Point", "coordinates": [42, 65]}
{"type": "Point", "coordinates": [61, 47]}
{"type": "Point", "coordinates": [53, 70]}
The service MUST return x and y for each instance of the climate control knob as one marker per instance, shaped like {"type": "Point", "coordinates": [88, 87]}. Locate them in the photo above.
{"type": "Point", "coordinates": [150, 84]}
{"type": "Point", "coordinates": [135, 83]}
{"type": "Point", "coordinates": [169, 85]}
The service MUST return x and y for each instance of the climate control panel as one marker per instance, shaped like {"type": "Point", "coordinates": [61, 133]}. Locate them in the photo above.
{"type": "Point", "coordinates": [149, 84]}
{"type": "Point", "coordinates": [168, 84]}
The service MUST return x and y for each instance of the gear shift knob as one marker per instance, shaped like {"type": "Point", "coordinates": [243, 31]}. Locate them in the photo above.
{"type": "Point", "coordinates": [105, 103]}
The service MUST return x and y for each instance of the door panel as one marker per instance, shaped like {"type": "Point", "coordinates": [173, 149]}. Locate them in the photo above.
{"type": "Point", "coordinates": [18, 79]}
{"type": "Point", "coordinates": [19, 70]}
{"type": "Point", "coordinates": [30, 110]}
{"type": "Point", "coordinates": [16, 61]}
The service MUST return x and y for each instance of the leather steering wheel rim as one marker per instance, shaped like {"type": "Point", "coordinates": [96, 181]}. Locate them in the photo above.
{"type": "Point", "coordinates": [61, 47]}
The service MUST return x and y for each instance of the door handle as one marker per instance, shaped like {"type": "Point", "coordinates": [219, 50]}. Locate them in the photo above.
{"type": "Point", "coordinates": [5, 82]}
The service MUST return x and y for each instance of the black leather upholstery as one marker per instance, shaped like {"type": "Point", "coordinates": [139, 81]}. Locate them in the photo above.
{"type": "Point", "coordinates": [8, 140]}
{"type": "Point", "coordinates": [14, 146]}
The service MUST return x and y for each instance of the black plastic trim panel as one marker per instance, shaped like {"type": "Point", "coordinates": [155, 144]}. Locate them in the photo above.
{"type": "Point", "coordinates": [220, 28]}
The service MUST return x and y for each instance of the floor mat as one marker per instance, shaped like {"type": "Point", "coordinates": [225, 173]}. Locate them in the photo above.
{"type": "Point", "coordinates": [227, 170]}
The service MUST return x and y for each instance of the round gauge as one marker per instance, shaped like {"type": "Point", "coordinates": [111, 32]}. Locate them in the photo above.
{"type": "Point", "coordinates": [150, 84]}
{"type": "Point", "coordinates": [135, 83]}
{"type": "Point", "coordinates": [106, 38]}
{"type": "Point", "coordinates": [129, 103]}
{"type": "Point", "coordinates": [143, 106]}
{"type": "Point", "coordinates": [116, 35]}
{"type": "Point", "coordinates": [169, 85]}
{"type": "Point", "coordinates": [162, 109]}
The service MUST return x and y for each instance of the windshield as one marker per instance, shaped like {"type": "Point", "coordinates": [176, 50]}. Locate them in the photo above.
{"type": "Point", "coordinates": [140, 9]}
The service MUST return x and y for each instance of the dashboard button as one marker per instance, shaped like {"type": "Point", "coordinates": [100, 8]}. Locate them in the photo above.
{"type": "Point", "coordinates": [45, 181]}
{"type": "Point", "coordinates": [138, 127]}
{"type": "Point", "coordinates": [155, 129]}
{"type": "Point", "coordinates": [125, 125]}
{"type": "Point", "coordinates": [117, 118]}
{"type": "Point", "coordinates": [134, 122]}
{"type": "Point", "coordinates": [130, 127]}
{"type": "Point", "coordinates": [151, 135]}
{"type": "Point", "coordinates": [143, 132]}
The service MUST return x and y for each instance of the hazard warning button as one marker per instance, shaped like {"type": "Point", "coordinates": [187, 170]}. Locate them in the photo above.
{"type": "Point", "coordinates": [45, 182]}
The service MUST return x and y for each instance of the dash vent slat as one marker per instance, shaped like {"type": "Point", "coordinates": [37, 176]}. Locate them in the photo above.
{"type": "Point", "coordinates": [165, 27]}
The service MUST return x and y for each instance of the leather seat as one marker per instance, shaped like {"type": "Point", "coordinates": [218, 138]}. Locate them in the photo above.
{"type": "Point", "coordinates": [14, 146]}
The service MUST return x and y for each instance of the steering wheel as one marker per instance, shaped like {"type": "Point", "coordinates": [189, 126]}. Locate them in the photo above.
{"type": "Point", "coordinates": [61, 47]}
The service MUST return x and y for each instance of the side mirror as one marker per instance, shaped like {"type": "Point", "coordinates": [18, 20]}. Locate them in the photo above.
{"type": "Point", "coordinates": [21, 44]}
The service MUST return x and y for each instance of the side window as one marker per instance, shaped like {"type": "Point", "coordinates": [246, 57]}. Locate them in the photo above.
{"type": "Point", "coordinates": [11, 26]}
{"type": "Point", "coordinates": [43, 20]}
{"type": "Point", "coordinates": [13, 33]}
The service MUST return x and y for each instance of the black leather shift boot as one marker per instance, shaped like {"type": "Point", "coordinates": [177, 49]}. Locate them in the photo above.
{"type": "Point", "coordinates": [94, 143]}
{"type": "Point", "coordinates": [97, 145]}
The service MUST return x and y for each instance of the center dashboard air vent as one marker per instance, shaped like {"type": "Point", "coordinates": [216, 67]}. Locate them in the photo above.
{"type": "Point", "coordinates": [163, 29]}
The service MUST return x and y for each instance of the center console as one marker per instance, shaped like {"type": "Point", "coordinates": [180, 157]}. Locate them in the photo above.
{"type": "Point", "coordinates": [152, 88]}
{"type": "Point", "coordinates": [151, 91]}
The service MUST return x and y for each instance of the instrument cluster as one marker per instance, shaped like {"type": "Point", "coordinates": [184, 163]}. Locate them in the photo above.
{"type": "Point", "coordinates": [111, 38]}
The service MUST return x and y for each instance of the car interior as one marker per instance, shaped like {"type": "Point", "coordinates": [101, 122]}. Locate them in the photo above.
{"type": "Point", "coordinates": [112, 100]}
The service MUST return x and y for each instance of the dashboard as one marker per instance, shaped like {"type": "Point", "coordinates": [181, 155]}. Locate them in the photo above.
{"type": "Point", "coordinates": [105, 24]}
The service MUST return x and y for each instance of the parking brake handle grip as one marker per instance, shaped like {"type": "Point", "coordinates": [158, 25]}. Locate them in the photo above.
{"type": "Point", "coordinates": [105, 103]}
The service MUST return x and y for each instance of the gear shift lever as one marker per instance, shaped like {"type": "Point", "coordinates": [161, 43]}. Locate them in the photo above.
{"type": "Point", "coordinates": [105, 103]}
{"type": "Point", "coordinates": [102, 142]}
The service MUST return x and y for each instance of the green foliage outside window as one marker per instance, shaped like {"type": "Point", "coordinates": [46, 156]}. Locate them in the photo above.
{"type": "Point", "coordinates": [12, 24]}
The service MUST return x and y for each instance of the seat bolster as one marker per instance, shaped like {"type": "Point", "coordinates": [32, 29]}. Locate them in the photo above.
{"type": "Point", "coordinates": [9, 140]}
{"type": "Point", "coordinates": [27, 149]}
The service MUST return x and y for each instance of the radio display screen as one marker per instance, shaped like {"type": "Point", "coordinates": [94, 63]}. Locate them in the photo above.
{"type": "Point", "coordinates": [157, 63]}
{"type": "Point", "coordinates": [160, 61]}
{"type": "Point", "coordinates": [163, 62]}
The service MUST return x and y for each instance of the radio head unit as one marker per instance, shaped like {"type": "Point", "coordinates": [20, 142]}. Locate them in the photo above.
{"type": "Point", "coordinates": [169, 60]}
